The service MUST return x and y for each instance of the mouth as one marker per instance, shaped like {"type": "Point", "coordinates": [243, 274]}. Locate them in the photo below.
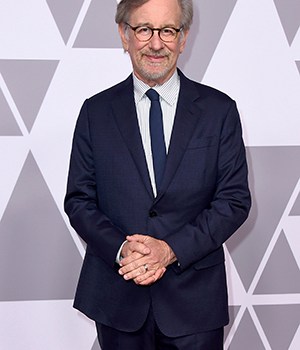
{"type": "Point", "coordinates": [155, 58]}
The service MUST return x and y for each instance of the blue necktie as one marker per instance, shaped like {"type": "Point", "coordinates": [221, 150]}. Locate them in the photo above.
{"type": "Point", "coordinates": [158, 145]}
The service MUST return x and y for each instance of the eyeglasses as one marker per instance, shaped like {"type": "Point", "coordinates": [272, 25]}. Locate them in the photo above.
{"type": "Point", "coordinates": [166, 34]}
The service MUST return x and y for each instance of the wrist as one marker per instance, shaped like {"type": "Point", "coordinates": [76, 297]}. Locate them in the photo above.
{"type": "Point", "coordinates": [170, 255]}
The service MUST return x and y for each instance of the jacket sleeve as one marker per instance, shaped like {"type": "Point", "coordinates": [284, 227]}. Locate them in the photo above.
{"type": "Point", "coordinates": [230, 205]}
{"type": "Point", "coordinates": [80, 204]}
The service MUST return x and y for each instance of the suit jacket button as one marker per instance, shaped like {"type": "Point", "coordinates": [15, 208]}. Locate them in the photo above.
{"type": "Point", "coordinates": [152, 214]}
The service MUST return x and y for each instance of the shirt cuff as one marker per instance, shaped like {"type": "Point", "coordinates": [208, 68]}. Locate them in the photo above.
{"type": "Point", "coordinates": [119, 257]}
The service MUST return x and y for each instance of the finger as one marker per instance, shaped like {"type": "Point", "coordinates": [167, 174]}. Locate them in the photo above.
{"type": "Point", "coordinates": [134, 269]}
{"type": "Point", "coordinates": [132, 262]}
{"type": "Point", "coordinates": [134, 273]}
{"type": "Point", "coordinates": [129, 266]}
{"type": "Point", "coordinates": [137, 238]}
{"type": "Point", "coordinates": [152, 279]}
{"type": "Point", "coordinates": [147, 275]}
{"type": "Point", "coordinates": [135, 262]}
{"type": "Point", "coordinates": [131, 258]}
{"type": "Point", "coordinates": [159, 273]}
{"type": "Point", "coordinates": [135, 246]}
{"type": "Point", "coordinates": [147, 282]}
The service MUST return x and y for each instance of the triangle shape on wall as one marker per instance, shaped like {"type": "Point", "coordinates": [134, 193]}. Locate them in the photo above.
{"type": "Point", "coordinates": [280, 323]}
{"type": "Point", "coordinates": [246, 333]}
{"type": "Point", "coordinates": [289, 13]}
{"type": "Point", "coordinates": [43, 259]}
{"type": "Point", "coordinates": [65, 15]}
{"type": "Point", "coordinates": [273, 177]}
{"type": "Point", "coordinates": [233, 311]}
{"type": "Point", "coordinates": [296, 207]}
{"type": "Point", "coordinates": [298, 65]}
{"type": "Point", "coordinates": [96, 345]}
{"type": "Point", "coordinates": [28, 82]}
{"type": "Point", "coordinates": [99, 29]}
{"type": "Point", "coordinates": [291, 230]}
{"type": "Point", "coordinates": [249, 52]}
{"type": "Point", "coordinates": [8, 125]}
{"type": "Point", "coordinates": [281, 271]}
{"type": "Point", "coordinates": [44, 325]}
{"type": "Point", "coordinates": [209, 23]}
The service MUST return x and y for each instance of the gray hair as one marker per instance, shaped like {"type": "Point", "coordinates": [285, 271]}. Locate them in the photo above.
{"type": "Point", "coordinates": [126, 7]}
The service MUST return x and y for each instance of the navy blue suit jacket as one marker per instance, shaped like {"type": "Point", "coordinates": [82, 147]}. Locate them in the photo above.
{"type": "Point", "coordinates": [203, 200]}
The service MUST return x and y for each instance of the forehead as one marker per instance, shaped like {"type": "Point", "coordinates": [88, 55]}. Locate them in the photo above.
{"type": "Point", "coordinates": [157, 13]}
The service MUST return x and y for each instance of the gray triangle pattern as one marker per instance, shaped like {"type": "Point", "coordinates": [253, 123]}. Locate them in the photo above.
{"type": "Point", "coordinates": [281, 271]}
{"type": "Point", "coordinates": [296, 208]}
{"type": "Point", "coordinates": [280, 323]}
{"type": "Point", "coordinates": [28, 82]}
{"type": "Point", "coordinates": [233, 311]}
{"type": "Point", "coordinates": [246, 336]}
{"type": "Point", "coordinates": [35, 242]}
{"type": "Point", "coordinates": [65, 15]}
{"type": "Point", "coordinates": [274, 173]}
{"type": "Point", "coordinates": [96, 345]}
{"type": "Point", "coordinates": [289, 13]}
{"type": "Point", "coordinates": [99, 29]}
{"type": "Point", "coordinates": [210, 20]}
{"type": "Point", "coordinates": [298, 65]}
{"type": "Point", "coordinates": [8, 125]}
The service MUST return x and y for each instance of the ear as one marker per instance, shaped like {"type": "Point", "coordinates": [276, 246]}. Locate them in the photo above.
{"type": "Point", "coordinates": [183, 40]}
{"type": "Point", "coordinates": [124, 36]}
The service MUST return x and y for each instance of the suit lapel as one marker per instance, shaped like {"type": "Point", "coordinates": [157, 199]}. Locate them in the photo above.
{"type": "Point", "coordinates": [186, 119]}
{"type": "Point", "coordinates": [126, 118]}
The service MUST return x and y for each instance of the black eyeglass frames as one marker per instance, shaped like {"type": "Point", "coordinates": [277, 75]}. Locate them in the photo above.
{"type": "Point", "coordinates": [145, 33]}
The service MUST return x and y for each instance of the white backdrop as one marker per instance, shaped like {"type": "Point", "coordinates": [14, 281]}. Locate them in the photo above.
{"type": "Point", "coordinates": [54, 54]}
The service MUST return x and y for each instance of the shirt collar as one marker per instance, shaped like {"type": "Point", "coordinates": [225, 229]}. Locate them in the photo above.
{"type": "Point", "coordinates": [168, 90]}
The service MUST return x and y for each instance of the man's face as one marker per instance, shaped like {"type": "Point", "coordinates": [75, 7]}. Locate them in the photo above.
{"type": "Point", "coordinates": [154, 61]}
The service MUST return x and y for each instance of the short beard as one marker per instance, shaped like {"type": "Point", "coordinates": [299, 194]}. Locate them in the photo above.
{"type": "Point", "coordinates": [154, 76]}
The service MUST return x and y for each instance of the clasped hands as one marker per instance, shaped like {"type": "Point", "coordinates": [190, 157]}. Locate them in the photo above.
{"type": "Point", "coordinates": [145, 259]}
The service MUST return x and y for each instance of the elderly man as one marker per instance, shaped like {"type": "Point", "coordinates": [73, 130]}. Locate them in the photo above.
{"type": "Point", "coordinates": [157, 183]}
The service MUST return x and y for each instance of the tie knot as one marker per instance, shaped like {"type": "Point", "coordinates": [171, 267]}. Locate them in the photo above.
{"type": "Point", "coordinates": [153, 95]}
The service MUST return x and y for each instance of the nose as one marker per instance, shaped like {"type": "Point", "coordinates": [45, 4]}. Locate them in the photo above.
{"type": "Point", "coordinates": [155, 42]}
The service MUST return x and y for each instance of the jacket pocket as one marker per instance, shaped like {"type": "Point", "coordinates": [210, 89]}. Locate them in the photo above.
{"type": "Point", "coordinates": [203, 142]}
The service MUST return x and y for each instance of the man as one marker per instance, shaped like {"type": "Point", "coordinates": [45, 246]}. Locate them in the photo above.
{"type": "Point", "coordinates": [155, 206]}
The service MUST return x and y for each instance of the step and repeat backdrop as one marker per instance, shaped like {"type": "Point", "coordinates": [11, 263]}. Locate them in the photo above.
{"type": "Point", "coordinates": [54, 54]}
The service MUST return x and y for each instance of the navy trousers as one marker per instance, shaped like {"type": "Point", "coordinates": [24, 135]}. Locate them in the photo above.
{"type": "Point", "coordinates": [149, 337]}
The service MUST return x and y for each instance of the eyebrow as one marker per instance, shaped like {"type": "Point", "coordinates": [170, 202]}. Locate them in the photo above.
{"type": "Point", "coordinates": [148, 24]}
